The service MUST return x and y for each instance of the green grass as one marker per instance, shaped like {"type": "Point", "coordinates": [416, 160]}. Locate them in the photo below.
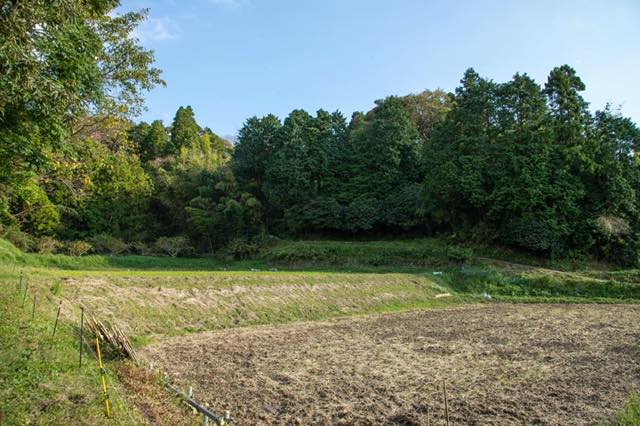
{"type": "Point", "coordinates": [630, 414]}
{"type": "Point", "coordinates": [41, 381]}
{"type": "Point", "coordinates": [540, 285]}
{"type": "Point", "coordinates": [11, 256]}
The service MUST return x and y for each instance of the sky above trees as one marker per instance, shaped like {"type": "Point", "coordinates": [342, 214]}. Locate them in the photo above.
{"type": "Point", "coordinates": [232, 59]}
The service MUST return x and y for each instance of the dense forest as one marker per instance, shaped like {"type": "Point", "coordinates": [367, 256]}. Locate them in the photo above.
{"type": "Point", "coordinates": [515, 163]}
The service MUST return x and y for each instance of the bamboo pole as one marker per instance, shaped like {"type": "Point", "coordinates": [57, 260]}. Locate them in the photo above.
{"type": "Point", "coordinates": [33, 310]}
{"type": "Point", "coordinates": [446, 401]}
{"type": "Point", "coordinates": [55, 324]}
{"type": "Point", "coordinates": [81, 335]}
{"type": "Point", "coordinates": [105, 395]}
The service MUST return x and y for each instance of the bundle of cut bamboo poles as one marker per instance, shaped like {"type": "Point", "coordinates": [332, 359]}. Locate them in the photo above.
{"type": "Point", "coordinates": [111, 334]}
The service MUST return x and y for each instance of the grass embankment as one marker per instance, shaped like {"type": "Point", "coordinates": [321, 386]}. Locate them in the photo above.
{"type": "Point", "coordinates": [11, 256]}
{"type": "Point", "coordinates": [468, 271]}
{"type": "Point", "coordinates": [180, 302]}
{"type": "Point", "coordinates": [41, 381]}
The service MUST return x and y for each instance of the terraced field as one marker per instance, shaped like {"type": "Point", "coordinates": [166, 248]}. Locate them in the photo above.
{"type": "Point", "coordinates": [502, 364]}
{"type": "Point", "coordinates": [305, 344]}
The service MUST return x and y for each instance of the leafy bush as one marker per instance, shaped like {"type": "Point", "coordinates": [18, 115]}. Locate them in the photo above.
{"type": "Point", "coordinates": [47, 245]}
{"type": "Point", "coordinates": [242, 248]}
{"type": "Point", "coordinates": [459, 254]}
{"type": "Point", "coordinates": [21, 240]}
{"type": "Point", "coordinates": [108, 244]}
{"type": "Point", "coordinates": [534, 234]}
{"type": "Point", "coordinates": [141, 248]}
{"type": "Point", "coordinates": [78, 248]}
{"type": "Point", "coordinates": [419, 252]}
{"type": "Point", "coordinates": [173, 246]}
{"type": "Point", "coordinates": [362, 214]}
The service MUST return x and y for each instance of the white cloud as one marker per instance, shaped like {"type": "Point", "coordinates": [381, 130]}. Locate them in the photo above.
{"type": "Point", "coordinates": [156, 29]}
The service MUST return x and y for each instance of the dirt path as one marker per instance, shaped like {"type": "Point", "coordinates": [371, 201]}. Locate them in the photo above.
{"type": "Point", "coordinates": [504, 364]}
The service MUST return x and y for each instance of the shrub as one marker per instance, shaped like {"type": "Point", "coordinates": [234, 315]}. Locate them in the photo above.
{"type": "Point", "coordinates": [20, 239]}
{"type": "Point", "coordinates": [78, 248]}
{"type": "Point", "coordinates": [241, 248]}
{"type": "Point", "coordinates": [538, 235]}
{"type": "Point", "coordinates": [141, 248]}
{"type": "Point", "coordinates": [47, 245]}
{"type": "Point", "coordinates": [173, 246]}
{"type": "Point", "coordinates": [459, 254]}
{"type": "Point", "coordinates": [108, 244]}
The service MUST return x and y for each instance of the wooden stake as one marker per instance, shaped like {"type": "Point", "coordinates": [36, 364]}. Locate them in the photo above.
{"type": "Point", "coordinates": [19, 286]}
{"type": "Point", "coordinates": [107, 408]}
{"type": "Point", "coordinates": [446, 402]}
{"type": "Point", "coordinates": [24, 296]}
{"type": "Point", "coordinates": [81, 335]}
{"type": "Point", "coordinates": [33, 310]}
{"type": "Point", "coordinates": [428, 422]}
{"type": "Point", "coordinates": [55, 324]}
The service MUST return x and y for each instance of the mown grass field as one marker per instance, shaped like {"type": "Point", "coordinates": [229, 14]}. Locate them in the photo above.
{"type": "Point", "coordinates": [155, 300]}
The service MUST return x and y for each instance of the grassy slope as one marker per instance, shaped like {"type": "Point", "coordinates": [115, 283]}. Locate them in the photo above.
{"type": "Point", "coordinates": [40, 378]}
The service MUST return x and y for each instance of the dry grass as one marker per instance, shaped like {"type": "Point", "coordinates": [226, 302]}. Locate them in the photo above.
{"type": "Point", "coordinates": [504, 364]}
{"type": "Point", "coordinates": [152, 306]}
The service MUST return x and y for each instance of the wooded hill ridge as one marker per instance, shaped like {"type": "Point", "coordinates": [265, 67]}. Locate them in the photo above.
{"type": "Point", "coordinates": [514, 163]}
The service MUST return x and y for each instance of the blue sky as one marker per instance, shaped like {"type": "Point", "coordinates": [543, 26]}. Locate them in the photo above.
{"type": "Point", "coordinates": [231, 59]}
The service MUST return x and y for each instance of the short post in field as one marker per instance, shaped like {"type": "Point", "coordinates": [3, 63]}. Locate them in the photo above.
{"type": "Point", "coordinates": [19, 285]}
{"type": "Point", "coordinates": [81, 335]}
{"type": "Point", "coordinates": [190, 395]}
{"type": "Point", "coordinates": [446, 402]}
{"type": "Point", "coordinates": [24, 295]}
{"type": "Point", "coordinates": [55, 324]}
{"type": "Point", "coordinates": [33, 310]}
{"type": "Point", "coordinates": [105, 395]}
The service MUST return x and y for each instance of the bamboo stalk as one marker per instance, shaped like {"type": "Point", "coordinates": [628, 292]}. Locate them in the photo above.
{"type": "Point", "coordinates": [55, 324]}
{"type": "Point", "coordinates": [446, 401]}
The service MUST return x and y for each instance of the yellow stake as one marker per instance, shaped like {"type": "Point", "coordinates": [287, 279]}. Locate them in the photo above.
{"type": "Point", "coordinates": [107, 409]}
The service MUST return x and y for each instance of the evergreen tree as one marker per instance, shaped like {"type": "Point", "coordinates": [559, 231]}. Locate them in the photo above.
{"type": "Point", "coordinates": [185, 132]}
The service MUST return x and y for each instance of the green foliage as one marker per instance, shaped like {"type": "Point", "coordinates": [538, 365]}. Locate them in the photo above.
{"type": "Point", "coordinates": [508, 163]}
{"type": "Point", "coordinates": [19, 239]}
{"type": "Point", "coordinates": [185, 132]}
{"type": "Point", "coordinates": [476, 280]}
{"type": "Point", "coordinates": [242, 248]}
{"type": "Point", "coordinates": [630, 414]}
{"type": "Point", "coordinates": [78, 248]}
{"type": "Point", "coordinates": [107, 244]}
{"type": "Point", "coordinates": [459, 254]}
{"type": "Point", "coordinates": [151, 141]}
{"type": "Point", "coordinates": [419, 252]}
{"type": "Point", "coordinates": [530, 167]}
{"type": "Point", "coordinates": [427, 110]}
{"type": "Point", "coordinates": [255, 143]}
{"type": "Point", "coordinates": [60, 63]}
{"type": "Point", "coordinates": [47, 245]}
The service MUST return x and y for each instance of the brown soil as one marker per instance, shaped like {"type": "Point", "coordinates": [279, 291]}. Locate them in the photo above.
{"type": "Point", "coordinates": [151, 398]}
{"type": "Point", "coordinates": [503, 364]}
